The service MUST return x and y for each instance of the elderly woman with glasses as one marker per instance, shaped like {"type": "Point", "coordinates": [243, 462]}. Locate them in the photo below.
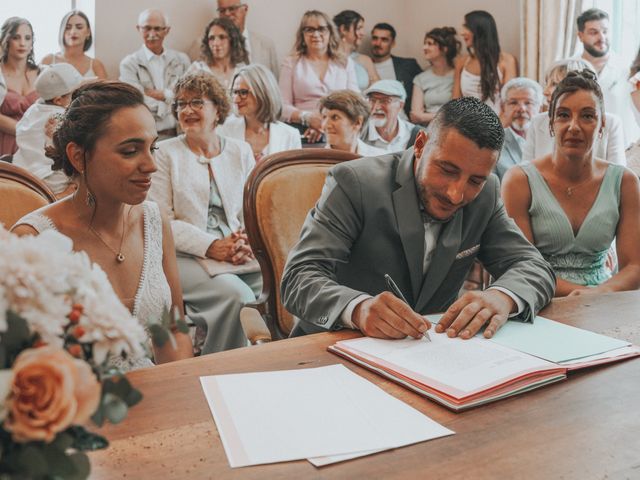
{"type": "Point", "coordinates": [571, 204]}
{"type": "Point", "coordinates": [258, 103]}
{"type": "Point", "coordinates": [199, 183]}
{"type": "Point", "coordinates": [343, 115]}
{"type": "Point", "coordinates": [317, 68]}
{"type": "Point", "coordinates": [222, 50]}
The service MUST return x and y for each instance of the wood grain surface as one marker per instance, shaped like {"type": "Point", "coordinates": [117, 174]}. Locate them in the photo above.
{"type": "Point", "coordinates": [587, 427]}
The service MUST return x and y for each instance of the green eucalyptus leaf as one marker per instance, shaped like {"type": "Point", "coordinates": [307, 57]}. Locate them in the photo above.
{"type": "Point", "coordinates": [16, 338]}
{"type": "Point", "coordinates": [115, 409]}
{"type": "Point", "coordinates": [64, 440]}
{"type": "Point", "coordinates": [82, 466]}
{"type": "Point", "coordinates": [32, 461]}
{"type": "Point", "coordinates": [98, 416]}
{"type": "Point", "coordinates": [133, 397]}
{"type": "Point", "coordinates": [159, 335]}
{"type": "Point", "coordinates": [58, 463]}
{"type": "Point", "coordinates": [84, 440]}
{"type": "Point", "coordinates": [182, 326]}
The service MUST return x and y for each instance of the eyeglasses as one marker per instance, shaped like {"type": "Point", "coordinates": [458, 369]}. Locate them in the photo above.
{"type": "Point", "coordinates": [149, 28]}
{"type": "Point", "coordinates": [311, 30]}
{"type": "Point", "coordinates": [231, 9]}
{"type": "Point", "coordinates": [195, 104]}
{"type": "Point", "coordinates": [381, 100]}
{"type": "Point", "coordinates": [241, 92]}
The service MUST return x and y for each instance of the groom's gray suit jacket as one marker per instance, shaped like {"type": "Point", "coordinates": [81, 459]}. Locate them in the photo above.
{"type": "Point", "coordinates": [368, 222]}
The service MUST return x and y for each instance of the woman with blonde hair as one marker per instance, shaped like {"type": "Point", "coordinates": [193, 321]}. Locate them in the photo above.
{"type": "Point", "coordinates": [316, 68]}
{"type": "Point", "coordinates": [75, 38]}
{"type": "Point", "coordinates": [258, 104]}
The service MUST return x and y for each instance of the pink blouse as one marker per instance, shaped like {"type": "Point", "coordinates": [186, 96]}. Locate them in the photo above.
{"type": "Point", "coordinates": [302, 89]}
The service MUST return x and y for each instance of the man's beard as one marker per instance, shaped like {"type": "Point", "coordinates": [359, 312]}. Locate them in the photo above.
{"type": "Point", "coordinates": [521, 124]}
{"type": "Point", "coordinates": [378, 122]}
{"type": "Point", "coordinates": [594, 52]}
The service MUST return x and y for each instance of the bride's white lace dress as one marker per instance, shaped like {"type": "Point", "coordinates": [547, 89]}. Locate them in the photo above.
{"type": "Point", "coordinates": [153, 295]}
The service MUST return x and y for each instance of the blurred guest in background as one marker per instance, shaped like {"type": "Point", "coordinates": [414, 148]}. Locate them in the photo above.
{"type": "Point", "coordinates": [385, 129]}
{"type": "Point", "coordinates": [258, 103]}
{"type": "Point", "coordinates": [344, 113]}
{"type": "Point", "coordinates": [18, 73]}
{"type": "Point", "coordinates": [316, 68]}
{"type": "Point", "coordinates": [154, 69]}
{"type": "Point", "coordinates": [35, 129]}
{"type": "Point", "coordinates": [521, 99]}
{"type": "Point", "coordinates": [390, 67]}
{"type": "Point", "coordinates": [222, 51]}
{"type": "Point", "coordinates": [484, 71]}
{"type": "Point", "coordinates": [75, 39]}
{"type": "Point", "coordinates": [434, 87]}
{"type": "Point", "coordinates": [351, 29]}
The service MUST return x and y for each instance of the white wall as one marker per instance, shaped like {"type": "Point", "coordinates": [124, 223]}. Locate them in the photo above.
{"type": "Point", "coordinates": [278, 19]}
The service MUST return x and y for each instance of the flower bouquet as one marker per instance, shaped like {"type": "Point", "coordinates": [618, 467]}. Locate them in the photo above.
{"type": "Point", "coordinates": [61, 325]}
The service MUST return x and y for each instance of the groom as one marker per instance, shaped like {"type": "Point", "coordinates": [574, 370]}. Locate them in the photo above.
{"type": "Point", "coordinates": [422, 216]}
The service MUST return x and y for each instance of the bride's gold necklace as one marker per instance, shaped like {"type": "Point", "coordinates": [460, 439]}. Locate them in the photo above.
{"type": "Point", "coordinates": [120, 258]}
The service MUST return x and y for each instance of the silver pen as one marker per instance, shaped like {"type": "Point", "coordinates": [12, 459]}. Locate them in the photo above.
{"type": "Point", "coordinates": [396, 291]}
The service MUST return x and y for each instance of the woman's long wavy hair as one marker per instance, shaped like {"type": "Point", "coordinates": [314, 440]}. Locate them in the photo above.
{"type": "Point", "coordinates": [237, 50]}
{"type": "Point", "coordinates": [486, 48]}
{"type": "Point", "coordinates": [8, 30]}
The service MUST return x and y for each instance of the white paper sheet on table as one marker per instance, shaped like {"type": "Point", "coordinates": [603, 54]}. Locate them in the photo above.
{"type": "Point", "coordinates": [269, 417]}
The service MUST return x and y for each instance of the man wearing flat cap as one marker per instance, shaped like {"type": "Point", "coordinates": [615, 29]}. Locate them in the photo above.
{"type": "Point", "coordinates": [386, 130]}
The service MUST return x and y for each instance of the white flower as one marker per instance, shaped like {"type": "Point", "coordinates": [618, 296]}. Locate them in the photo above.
{"type": "Point", "coordinates": [42, 278]}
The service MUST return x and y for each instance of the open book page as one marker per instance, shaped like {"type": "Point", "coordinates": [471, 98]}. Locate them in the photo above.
{"type": "Point", "coordinates": [452, 365]}
{"type": "Point", "coordinates": [267, 417]}
{"type": "Point", "coordinates": [554, 341]}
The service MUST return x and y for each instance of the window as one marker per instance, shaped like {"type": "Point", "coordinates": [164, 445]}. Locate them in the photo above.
{"type": "Point", "coordinates": [45, 17]}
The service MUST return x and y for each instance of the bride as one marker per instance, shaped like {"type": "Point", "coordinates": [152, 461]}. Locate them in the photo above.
{"type": "Point", "coordinates": [106, 141]}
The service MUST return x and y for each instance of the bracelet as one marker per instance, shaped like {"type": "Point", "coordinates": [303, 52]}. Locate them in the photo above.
{"type": "Point", "coordinates": [304, 118]}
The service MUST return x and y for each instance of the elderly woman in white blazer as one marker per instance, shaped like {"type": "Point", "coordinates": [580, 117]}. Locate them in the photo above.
{"type": "Point", "coordinates": [256, 96]}
{"type": "Point", "coordinates": [199, 183]}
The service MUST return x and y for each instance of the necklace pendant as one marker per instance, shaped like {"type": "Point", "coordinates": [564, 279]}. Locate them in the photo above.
{"type": "Point", "coordinates": [120, 257]}
{"type": "Point", "coordinates": [569, 191]}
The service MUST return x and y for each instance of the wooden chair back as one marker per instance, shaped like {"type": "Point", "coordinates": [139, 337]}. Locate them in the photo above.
{"type": "Point", "coordinates": [278, 196]}
{"type": "Point", "coordinates": [21, 192]}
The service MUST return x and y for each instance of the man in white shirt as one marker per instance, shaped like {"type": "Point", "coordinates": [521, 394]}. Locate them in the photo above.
{"type": "Point", "coordinates": [521, 101]}
{"type": "Point", "coordinates": [260, 48]}
{"type": "Point", "coordinates": [593, 32]}
{"type": "Point", "coordinates": [386, 130]}
{"type": "Point", "coordinates": [155, 69]}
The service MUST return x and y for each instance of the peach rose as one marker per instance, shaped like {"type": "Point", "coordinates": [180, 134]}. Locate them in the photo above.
{"type": "Point", "coordinates": [50, 391]}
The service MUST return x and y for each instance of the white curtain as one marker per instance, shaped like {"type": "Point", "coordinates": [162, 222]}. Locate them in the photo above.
{"type": "Point", "coordinates": [548, 33]}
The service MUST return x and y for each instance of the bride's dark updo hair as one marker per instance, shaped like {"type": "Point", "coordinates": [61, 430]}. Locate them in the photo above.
{"type": "Point", "coordinates": [85, 119]}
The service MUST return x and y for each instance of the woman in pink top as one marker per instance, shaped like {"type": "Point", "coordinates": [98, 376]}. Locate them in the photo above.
{"type": "Point", "coordinates": [316, 68]}
{"type": "Point", "coordinates": [18, 73]}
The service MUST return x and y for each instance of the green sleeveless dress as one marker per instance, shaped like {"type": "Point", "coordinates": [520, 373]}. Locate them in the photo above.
{"type": "Point", "coordinates": [577, 258]}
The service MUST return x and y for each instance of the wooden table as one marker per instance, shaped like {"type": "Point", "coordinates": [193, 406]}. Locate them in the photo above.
{"type": "Point", "coordinates": [587, 427]}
